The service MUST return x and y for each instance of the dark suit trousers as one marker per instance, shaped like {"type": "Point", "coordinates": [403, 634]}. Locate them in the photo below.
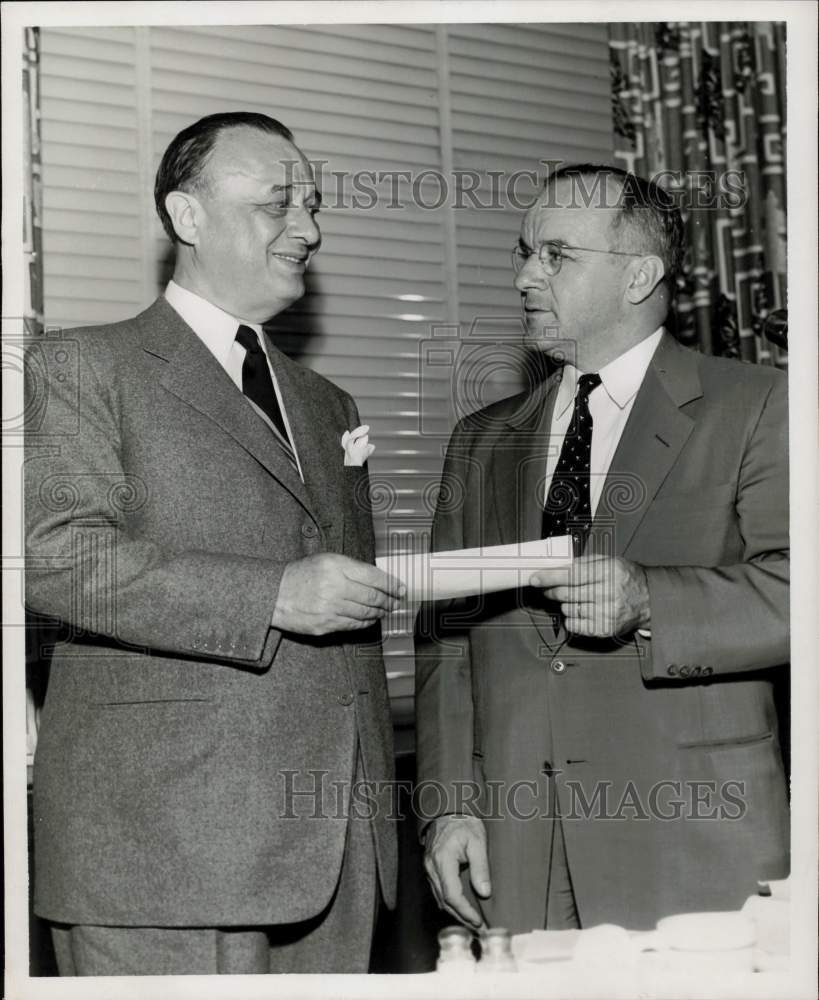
{"type": "Point", "coordinates": [336, 940]}
{"type": "Point", "coordinates": [561, 907]}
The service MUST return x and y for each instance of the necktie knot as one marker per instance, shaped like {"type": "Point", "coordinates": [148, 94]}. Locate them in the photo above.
{"type": "Point", "coordinates": [586, 384]}
{"type": "Point", "coordinates": [246, 336]}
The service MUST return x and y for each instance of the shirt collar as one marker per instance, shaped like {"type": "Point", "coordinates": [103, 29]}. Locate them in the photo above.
{"type": "Point", "coordinates": [621, 378]}
{"type": "Point", "coordinates": [214, 327]}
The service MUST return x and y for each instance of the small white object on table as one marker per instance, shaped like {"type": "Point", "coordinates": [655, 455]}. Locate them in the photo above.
{"type": "Point", "coordinates": [737, 954]}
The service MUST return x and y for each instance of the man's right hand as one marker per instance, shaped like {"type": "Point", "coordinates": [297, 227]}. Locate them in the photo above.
{"type": "Point", "coordinates": [452, 842]}
{"type": "Point", "coordinates": [329, 592]}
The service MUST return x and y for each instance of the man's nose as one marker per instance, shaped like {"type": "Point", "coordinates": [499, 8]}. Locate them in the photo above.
{"type": "Point", "coordinates": [302, 224]}
{"type": "Point", "coordinates": [531, 275]}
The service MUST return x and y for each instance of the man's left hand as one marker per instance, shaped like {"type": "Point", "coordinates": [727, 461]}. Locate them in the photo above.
{"type": "Point", "coordinates": [601, 597]}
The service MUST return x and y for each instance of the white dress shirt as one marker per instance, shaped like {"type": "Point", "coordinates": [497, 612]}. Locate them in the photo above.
{"type": "Point", "coordinates": [610, 404]}
{"type": "Point", "coordinates": [217, 331]}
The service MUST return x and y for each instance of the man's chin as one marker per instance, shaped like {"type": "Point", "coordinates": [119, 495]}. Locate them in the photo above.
{"type": "Point", "coordinates": [264, 309]}
{"type": "Point", "coordinates": [542, 323]}
{"type": "Point", "coordinates": [284, 290]}
{"type": "Point", "coordinates": [545, 336]}
{"type": "Point", "coordinates": [542, 330]}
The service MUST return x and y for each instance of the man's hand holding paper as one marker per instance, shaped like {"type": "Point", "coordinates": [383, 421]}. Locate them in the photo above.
{"type": "Point", "coordinates": [329, 592]}
{"type": "Point", "coordinates": [599, 596]}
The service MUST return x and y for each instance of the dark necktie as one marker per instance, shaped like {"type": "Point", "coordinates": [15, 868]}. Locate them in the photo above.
{"type": "Point", "coordinates": [257, 385]}
{"type": "Point", "coordinates": [568, 505]}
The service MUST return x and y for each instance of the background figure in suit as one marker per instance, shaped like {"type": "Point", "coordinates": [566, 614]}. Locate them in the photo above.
{"type": "Point", "coordinates": [607, 738]}
{"type": "Point", "coordinates": [191, 518]}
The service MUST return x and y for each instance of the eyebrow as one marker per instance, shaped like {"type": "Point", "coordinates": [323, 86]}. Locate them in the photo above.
{"type": "Point", "coordinates": [557, 241]}
{"type": "Point", "coordinates": [288, 188]}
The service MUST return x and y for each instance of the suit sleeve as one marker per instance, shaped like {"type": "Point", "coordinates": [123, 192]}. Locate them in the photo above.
{"type": "Point", "coordinates": [85, 563]}
{"type": "Point", "coordinates": [443, 673]}
{"type": "Point", "coordinates": [733, 618]}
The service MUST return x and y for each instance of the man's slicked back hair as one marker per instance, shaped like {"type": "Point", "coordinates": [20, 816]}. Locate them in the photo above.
{"type": "Point", "coordinates": [183, 163]}
{"type": "Point", "coordinates": [644, 210]}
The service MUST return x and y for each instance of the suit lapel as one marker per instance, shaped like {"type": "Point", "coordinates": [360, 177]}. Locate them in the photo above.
{"type": "Point", "coordinates": [194, 376]}
{"type": "Point", "coordinates": [653, 437]}
{"type": "Point", "coordinates": [518, 472]}
{"type": "Point", "coordinates": [518, 466]}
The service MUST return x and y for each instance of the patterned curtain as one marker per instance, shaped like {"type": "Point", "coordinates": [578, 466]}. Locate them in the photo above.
{"type": "Point", "coordinates": [700, 107]}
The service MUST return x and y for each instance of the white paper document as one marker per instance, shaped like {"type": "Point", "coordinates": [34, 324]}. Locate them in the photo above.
{"type": "Point", "coordinates": [436, 576]}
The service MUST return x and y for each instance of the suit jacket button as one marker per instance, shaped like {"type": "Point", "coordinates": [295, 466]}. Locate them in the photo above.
{"type": "Point", "coordinates": [685, 670]}
{"type": "Point", "coordinates": [309, 530]}
{"type": "Point", "coordinates": [672, 670]}
{"type": "Point", "coordinates": [558, 666]}
{"type": "Point", "coordinates": [345, 699]}
{"type": "Point", "coordinates": [707, 671]}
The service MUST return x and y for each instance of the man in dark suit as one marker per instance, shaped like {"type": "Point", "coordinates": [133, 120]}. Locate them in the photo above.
{"type": "Point", "coordinates": [199, 804]}
{"type": "Point", "coordinates": [604, 743]}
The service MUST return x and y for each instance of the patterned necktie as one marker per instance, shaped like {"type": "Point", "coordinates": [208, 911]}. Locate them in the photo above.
{"type": "Point", "coordinates": [257, 385]}
{"type": "Point", "coordinates": [568, 505]}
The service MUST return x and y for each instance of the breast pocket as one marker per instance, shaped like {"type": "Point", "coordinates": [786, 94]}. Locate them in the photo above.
{"type": "Point", "coordinates": [357, 485]}
{"type": "Point", "coordinates": [359, 505]}
{"type": "Point", "coordinates": [694, 528]}
{"type": "Point", "coordinates": [707, 496]}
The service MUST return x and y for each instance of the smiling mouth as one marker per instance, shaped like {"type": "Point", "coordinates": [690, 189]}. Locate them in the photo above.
{"type": "Point", "coordinates": [291, 259]}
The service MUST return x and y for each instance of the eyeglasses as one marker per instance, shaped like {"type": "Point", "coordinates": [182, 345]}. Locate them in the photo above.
{"type": "Point", "coordinates": [551, 256]}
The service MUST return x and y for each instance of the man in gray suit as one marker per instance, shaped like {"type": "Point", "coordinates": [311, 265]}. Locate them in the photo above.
{"type": "Point", "coordinates": [603, 745]}
{"type": "Point", "coordinates": [220, 698]}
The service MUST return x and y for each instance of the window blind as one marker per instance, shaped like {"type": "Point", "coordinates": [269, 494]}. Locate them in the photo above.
{"type": "Point", "coordinates": [524, 99]}
{"type": "Point", "coordinates": [92, 253]}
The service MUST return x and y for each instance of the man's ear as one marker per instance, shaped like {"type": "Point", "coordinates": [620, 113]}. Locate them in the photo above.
{"type": "Point", "coordinates": [646, 274]}
{"type": "Point", "coordinates": [186, 214]}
